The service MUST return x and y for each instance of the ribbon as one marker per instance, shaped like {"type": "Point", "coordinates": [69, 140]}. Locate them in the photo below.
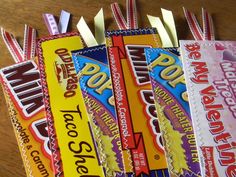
{"type": "Point", "coordinates": [99, 27]}
{"type": "Point", "coordinates": [156, 23]}
{"type": "Point", "coordinates": [208, 27]}
{"type": "Point", "coordinates": [64, 21]}
{"type": "Point", "coordinates": [86, 33]}
{"type": "Point", "coordinates": [52, 25]}
{"type": "Point", "coordinates": [208, 30]}
{"type": "Point", "coordinates": [167, 32]}
{"type": "Point", "coordinates": [169, 24]}
{"type": "Point", "coordinates": [29, 47]}
{"type": "Point", "coordinates": [131, 12]}
{"type": "Point", "coordinates": [15, 49]}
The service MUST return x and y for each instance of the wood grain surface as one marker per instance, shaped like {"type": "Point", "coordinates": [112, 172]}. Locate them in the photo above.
{"type": "Point", "coordinates": [15, 13]}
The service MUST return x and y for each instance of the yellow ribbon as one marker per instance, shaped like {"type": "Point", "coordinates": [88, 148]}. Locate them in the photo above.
{"type": "Point", "coordinates": [167, 31]}
{"type": "Point", "coordinates": [86, 33]}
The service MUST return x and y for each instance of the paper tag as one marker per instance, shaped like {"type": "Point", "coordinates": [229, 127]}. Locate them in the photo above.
{"type": "Point", "coordinates": [134, 101]}
{"type": "Point", "coordinates": [95, 82]}
{"type": "Point", "coordinates": [24, 97]}
{"type": "Point", "coordinates": [73, 149]}
{"type": "Point", "coordinates": [167, 78]}
{"type": "Point", "coordinates": [210, 77]}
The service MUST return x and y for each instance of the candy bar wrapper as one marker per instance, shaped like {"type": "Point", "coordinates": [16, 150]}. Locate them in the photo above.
{"type": "Point", "coordinates": [91, 64]}
{"type": "Point", "coordinates": [24, 97]}
{"type": "Point", "coordinates": [210, 73]}
{"type": "Point", "coordinates": [135, 108]}
{"type": "Point", "coordinates": [169, 88]}
{"type": "Point", "coordinates": [72, 143]}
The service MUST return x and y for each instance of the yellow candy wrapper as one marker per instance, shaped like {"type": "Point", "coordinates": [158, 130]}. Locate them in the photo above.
{"type": "Point", "coordinates": [73, 146]}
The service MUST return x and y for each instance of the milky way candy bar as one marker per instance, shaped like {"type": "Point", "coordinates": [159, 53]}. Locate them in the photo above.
{"type": "Point", "coordinates": [23, 92]}
{"type": "Point", "coordinates": [169, 89]}
{"type": "Point", "coordinates": [73, 147]}
{"type": "Point", "coordinates": [135, 108]}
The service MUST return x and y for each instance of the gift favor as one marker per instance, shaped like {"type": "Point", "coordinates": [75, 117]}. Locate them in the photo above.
{"type": "Point", "coordinates": [94, 78]}
{"type": "Point", "coordinates": [209, 68]}
{"type": "Point", "coordinates": [135, 108]}
{"type": "Point", "coordinates": [171, 100]}
{"type": "Point", "coordinates": [95, 82]}
{"type": "Point", "coordinates": [74, 150]}
{"type": "Point", "coordinates": [24, 96]}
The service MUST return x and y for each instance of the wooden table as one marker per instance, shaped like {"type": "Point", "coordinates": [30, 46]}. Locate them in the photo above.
{"type": "Point", "coordinates": [15, 13]}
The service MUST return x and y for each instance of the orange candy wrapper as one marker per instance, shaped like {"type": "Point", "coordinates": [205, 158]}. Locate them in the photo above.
{"type": "Point", "coordinates": [135, 108]}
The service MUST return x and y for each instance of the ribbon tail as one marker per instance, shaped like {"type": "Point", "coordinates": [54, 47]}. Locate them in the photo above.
{"type": "Point", "coordinates": [51, 24]}
{"type": "Point", "coordinates": [99, 27]}
{"type": "Point", "coordinates": [86, 33]}
{"type": "Point", "coordinates": [13, 46]}
{"type": "Point", "coordinates": [29, 46]}
{"type": "Point", "coordinates": [193, 25]}
{"type": "Point", "coordinates": [156, 23]}
{"type": "Point", "coordinates": [131, 11]}
{"type": "Point", "coordinates": [169, 24]}
{"type": "Point", "coordinates": [118, 16]}
{"type": "Point", "coordinates": [208, 28]}
{"type": "Point", "coordinates": [63, 21]}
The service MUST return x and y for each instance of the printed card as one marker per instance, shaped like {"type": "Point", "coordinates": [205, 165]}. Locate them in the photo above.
{"type": "Point", "coordinates": [91, 65]}
{"type": "Point", "coordinates": [135, 108]}
{"type": "Point", "coordinates": [24, 96]}
{"type": "Point", "coordinates": [210, 72]}
{"type": "Point", "coordinates": [169, 88]}
{"type": "Point", "coordinates": [73, 146]}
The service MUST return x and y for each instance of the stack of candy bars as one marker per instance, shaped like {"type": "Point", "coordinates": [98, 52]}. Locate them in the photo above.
{"type": "Point", "coordinates": [123, 103]}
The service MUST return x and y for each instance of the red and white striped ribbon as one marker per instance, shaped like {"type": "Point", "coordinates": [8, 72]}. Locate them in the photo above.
{"type": "Point", "coordinates": [15, 49]}
{"type": "Point", "coordinates": [13, 46]}
{"type": "Point", "coordinates": [131, 11]}
{"type": "Point", "coordinates": [208, 28]}
{"type": "Point", "coordinates": [119, 18]}
{"type": "Point", "coordinates": [198, 34]}
{"type": "Point", "coordinates": [51, 24]}
{"type": "Point", "coordinates": [193, 25]}
{"type": "Point", "coordinates": [29, 42]}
